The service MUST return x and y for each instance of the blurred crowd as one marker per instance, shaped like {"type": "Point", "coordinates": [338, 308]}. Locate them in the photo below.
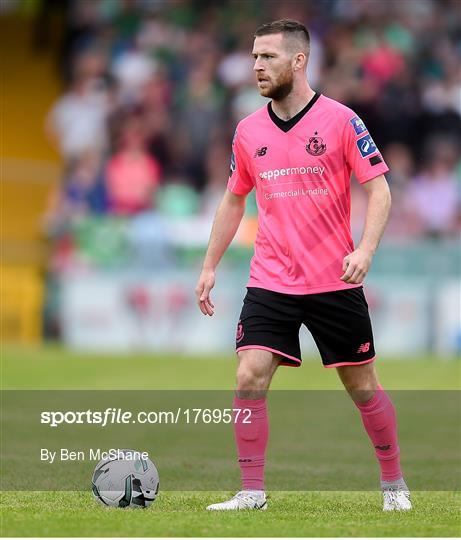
{"type": "Point", "coordinates": [154, 89]}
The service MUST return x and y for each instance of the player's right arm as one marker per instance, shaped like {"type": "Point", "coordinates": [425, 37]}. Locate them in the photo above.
{"type": "Point", "coordinates": [226, 222]}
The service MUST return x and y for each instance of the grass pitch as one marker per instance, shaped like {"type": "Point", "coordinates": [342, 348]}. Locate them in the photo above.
{"type": "Point", "coordinates": [308, 513]}
{"type": "Point", "coordinates": [52, 367]}
{"type": "Point", "coordinates": [183, 514]}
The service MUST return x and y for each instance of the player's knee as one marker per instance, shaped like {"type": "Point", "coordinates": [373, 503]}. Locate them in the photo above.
{"type": "Point", "coordinates": [359, 381]}
{"type": "Point", "coordinates": [251, 379]}
{"type": "Point", "coordinates": [361, 396]}
{"type": "Point", "coordinates": [361, 390]}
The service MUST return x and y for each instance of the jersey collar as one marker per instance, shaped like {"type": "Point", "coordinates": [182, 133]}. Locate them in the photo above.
{"type": "Point", "coordinates": [286, 125]}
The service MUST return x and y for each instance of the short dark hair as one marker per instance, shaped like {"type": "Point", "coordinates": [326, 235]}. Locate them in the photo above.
{"type": "Point", "coordinates": [287, 27]}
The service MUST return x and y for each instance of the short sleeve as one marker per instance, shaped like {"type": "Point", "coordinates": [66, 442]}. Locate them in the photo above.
{"type": "Point", "coordinates": [361, 153]}
{"type": "Point", "coordinates": [240, 181]}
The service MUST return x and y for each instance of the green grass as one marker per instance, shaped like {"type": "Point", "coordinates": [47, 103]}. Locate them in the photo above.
{"type": "Point", "coordinates": [52, 367]}
{"type": "Point", "coordinates": [181, 513]}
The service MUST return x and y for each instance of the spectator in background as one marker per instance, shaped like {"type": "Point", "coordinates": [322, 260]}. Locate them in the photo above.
{"type": "Point", "coordinates": [81, 194]}
{"type": "Point", "coordinates": [235, 68]}
{"type": "Point", "coordinates": [132, 70]}
{"type": "Point", "coordinates": [201, 114]}
{"type": "Point", "coordinates": [132, 175]}
{"type": "Point", "coordinates": [401, 166]}
{"type": "Point", "coordinates": [432, 199]}
{"type": "Point", "coordinates": [218, 173]}
{"type": "Point", "coordinates": [382, 63]}
{"type": "Point", "coordinates": [77, 121]}
{"type": "Point", "coordinates": [156, 105]}
{"type": "Point", "coordinates": [401, 171]}
{"type": "Point", "coordinates": [235, 73]}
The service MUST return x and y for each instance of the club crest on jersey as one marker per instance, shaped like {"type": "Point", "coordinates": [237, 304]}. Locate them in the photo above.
{"type": "Point", "coordinates": [315, 145]}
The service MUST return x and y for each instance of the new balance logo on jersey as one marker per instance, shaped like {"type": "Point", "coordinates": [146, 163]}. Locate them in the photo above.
{"type": "Point", "coordinates": [365, 347]}
{"type": "Point", "coordinates": [260, 151]}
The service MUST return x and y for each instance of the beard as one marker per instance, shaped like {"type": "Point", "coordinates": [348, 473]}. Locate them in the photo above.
{"type": "Point", "coordinates": [281, 88]}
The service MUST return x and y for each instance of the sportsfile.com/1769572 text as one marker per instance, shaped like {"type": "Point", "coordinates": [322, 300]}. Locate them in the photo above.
{"type": "Point", "coordinates": [113, 415]}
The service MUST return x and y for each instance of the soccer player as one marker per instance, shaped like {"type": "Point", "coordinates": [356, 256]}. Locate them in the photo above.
{"type": "Point", "coordinates": [298, 153]}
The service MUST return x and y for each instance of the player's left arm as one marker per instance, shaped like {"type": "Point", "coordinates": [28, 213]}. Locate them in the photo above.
{"type": "Point", "coordinates": [357, 263]}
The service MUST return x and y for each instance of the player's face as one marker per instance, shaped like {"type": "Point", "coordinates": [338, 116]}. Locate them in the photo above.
{"type": "Point", "coordinates": [273, 66]}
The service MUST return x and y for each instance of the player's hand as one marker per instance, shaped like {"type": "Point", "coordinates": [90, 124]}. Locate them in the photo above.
{"type": "Point", "coordinates": [356, 266]}
{"type": "Point", "coordinates": [205, 283]}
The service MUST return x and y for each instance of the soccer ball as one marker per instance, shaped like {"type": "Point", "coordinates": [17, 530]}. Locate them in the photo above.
{"type": "Point", "coordinates": [125, 479]}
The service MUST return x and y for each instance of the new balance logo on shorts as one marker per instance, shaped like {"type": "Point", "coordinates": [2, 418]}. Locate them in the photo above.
{"type": "Point", "coordinates": [365, 347]}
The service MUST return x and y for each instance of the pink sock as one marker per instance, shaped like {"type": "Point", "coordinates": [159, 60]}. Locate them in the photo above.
{"type": "Point", "coordinates": [379, 419]}
{"type": "Point", "coordinates": [251, 439]}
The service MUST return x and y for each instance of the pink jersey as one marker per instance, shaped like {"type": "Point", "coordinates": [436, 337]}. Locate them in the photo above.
{"type": "Point", "coordinates": [301, 170]}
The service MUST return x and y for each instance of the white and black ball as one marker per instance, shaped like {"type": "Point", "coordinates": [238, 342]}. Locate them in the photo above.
{"type": "Point", "coordinates": [126, 479]}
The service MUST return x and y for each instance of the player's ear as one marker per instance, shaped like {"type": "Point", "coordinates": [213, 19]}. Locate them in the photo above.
{"type": "Point", "coordinates": [299, 61]}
